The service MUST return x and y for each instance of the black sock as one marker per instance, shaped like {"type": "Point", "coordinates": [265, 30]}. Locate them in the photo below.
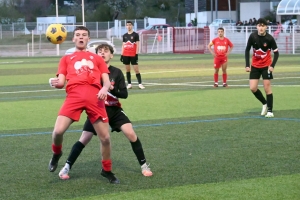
{"type": "Point", "coordinates": [139, 78]}
{"type": "Point", "coordinates": [128, 76]}
{"type": "Point", "coordinates": [270, 102]}
{"type": "Point", "coordinates": [75, 152]}
{"type": "Point", "coordinates": [138, 151]}
{"type": "Point", "coordinates": [260, 96]}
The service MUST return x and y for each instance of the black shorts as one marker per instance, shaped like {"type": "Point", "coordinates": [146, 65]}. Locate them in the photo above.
{"type": "Point", "coordinates": [130, 60]}
{"type": "Point", "coordinates": [116, 117]}
{"type": "Point", "coordinates": [256, 73]}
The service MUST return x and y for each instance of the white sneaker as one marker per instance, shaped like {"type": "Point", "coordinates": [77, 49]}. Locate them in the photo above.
{"type": "Point", "coordinates": [269, 115]}
{"type": "Point", "coordinates": [141, 86]}
{"type": "Point", "coordinates": [264, 110]}
{"type": "Point", "coordinates": [146, 170]}
{"type": "Point", "coordinates": [129, 86]}
{"type": "Point", "coordinates": [64, 172]}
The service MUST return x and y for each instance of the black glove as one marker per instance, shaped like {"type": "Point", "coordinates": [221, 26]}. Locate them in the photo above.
{"type": "Point", "coordinates": [137, 56]}
{"type": "Point", "coordinates": [121, 59]}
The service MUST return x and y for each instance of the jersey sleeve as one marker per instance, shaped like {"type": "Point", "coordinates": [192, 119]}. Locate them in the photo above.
{"type": "Point", "coordinates": [137, 37]}
{"type": "Point", "coordinates": [274, 45]}
{"type": "Point", "coordinates": [124, 38]}
{"type": "Point", "coordinates": [229, 43]}
{"type": "Point", "coordinates": [62, 66]}
{"type": "Point", "coordinates": [120, 89]}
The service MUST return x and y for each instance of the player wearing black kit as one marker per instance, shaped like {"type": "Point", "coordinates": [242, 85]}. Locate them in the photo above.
{"type": "Point", "coordinates": [118, 120]}
{"type": "Point", "coordinates": [129, 54]}
{"type": "Point", "coordinates": [262, 65]}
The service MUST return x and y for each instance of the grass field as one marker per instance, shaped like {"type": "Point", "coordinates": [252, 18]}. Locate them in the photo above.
{"type": "Point", "coordinates": [202, 142]}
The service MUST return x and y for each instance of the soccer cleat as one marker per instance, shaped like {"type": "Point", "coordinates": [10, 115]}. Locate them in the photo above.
{"type": "Point", "coordinates": [64, 172]}
{"type": "Point", "coordinates": [264, 109]}
{"type": "Point", "coordinates": [146, 170]}
{"type": "Point", "coordinates": [225, 85]}
{"type": "Point", "coordinates": [110, 176]}
{"type": "Point", "coordinates": [141, 86]}
{"type": "Point", "coordinates": [129, 86]}
{"type": "Point", "coordinates": [269, 115]}
{"type": "Point", "coordinates": [216, 85]}
{"type": "Point", "coordinates": [54, 162]}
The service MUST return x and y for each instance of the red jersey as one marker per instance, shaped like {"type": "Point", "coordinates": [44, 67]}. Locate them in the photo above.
{"type": "Point", "coordinates": [82, 68]}
{"type": "Point", "coordinates": [129, 44]}
{"type": "Point", "coordinates": [221, 46]}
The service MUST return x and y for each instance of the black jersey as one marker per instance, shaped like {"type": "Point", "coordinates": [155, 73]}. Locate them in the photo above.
{"type": "Point", "coordinates": [129, 43]}
{"type": "Point", "coordinates": [117, 79]}
{"type": "Point", "coordinates": [262, 46]}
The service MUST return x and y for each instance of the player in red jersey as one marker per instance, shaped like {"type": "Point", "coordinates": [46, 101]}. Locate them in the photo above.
{"type": "Point", "coordinates": [262, 65]}
{"type": "Point", "coordinates": [129, 55]}
{"type": "Point", "coordinates": [118, 120]}
{"type": "Point", "coordinates": [222, 48]}
{"type": "Point", "coordinates": [83, 72]}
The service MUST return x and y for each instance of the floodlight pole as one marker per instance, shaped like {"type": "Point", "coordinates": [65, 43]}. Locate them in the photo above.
{"type": "Point", "coordinates": [196, 11]}
{"type": "Point", "coordinates": [83, 22]}
{"type": "Point", "coordinates": [57, 46]}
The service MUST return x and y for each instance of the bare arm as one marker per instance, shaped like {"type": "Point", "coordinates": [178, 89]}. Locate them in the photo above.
{"type": "Point", "coordinates": [106, 84]}
{"type": "Point", "coordinates": [210, 49]}
{"type": "Point", "coordinates": [137, 47]}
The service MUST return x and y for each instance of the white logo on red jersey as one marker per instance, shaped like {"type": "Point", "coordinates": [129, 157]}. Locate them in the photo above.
{"type": "Point", "coordinates": [84, 66]}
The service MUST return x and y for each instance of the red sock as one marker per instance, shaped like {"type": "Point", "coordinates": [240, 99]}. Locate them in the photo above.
{"type": "Point", "coordinates": [106, 165]}
{"type": "Point", "coordinates": [56, 149]}
{"type": "Point", "coordinates": [224, 78]}
{"type": "Point", "coordinates": [216, 77]}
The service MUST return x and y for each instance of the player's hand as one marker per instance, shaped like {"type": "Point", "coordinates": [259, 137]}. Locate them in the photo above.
{"type": "Point", "coordinates": [137, 57]}
{"type": "Point", "coordinates": [102, 94]}
{"type": "Point", "coordinates": [248, 69]}
{"type": "Point", "coordinates": [53, 82]}
{"type": "Point", "coordinates": [121, 58]}
{"type": "Point", "coordinates": [111, 88]}
{"type": "Point", "coordinates": [271, 69]}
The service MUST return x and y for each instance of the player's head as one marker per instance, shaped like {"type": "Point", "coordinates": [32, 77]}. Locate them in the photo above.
{"type": "Point", "coordinates": [261, 26]}
{"type": "Point", "coordinates": [81, 36]}
{"type": "Point", "coordinates": [129, 25]}
{"type": "Point", "coordinates": [221, 32]}
{"type": "Point", "coordinates": [106, 51]}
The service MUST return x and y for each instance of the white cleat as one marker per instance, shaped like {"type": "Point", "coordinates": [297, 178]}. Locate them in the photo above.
{"type": "Point", "coordinates": [269, 115]}
{"type": "Point", "coordinates": [129, 86]}
{"type": "Point", "coordinates": [64, 172]}
{"type": "Point", "coordinates": [146, 170]}
{"type": "Point", "coordinates": [264, 109]}
{"type": "Point", "coordinates": [141, 86]}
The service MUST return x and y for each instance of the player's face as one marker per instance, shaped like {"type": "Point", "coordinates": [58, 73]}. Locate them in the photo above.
{"type": "Point", "coordinates": [81, 38]}
{"type": "Point", "coordinates": [261, 28]}
{"type": "Point", "coordinates": [129, 26]}
{"type": "Point", "coordinates": [105, 54]}
{"type": "Point", "coordinates": [220, 33]}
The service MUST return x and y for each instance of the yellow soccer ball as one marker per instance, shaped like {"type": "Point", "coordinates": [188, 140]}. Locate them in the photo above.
{"type": "Point", "coordinates": [56, 33]}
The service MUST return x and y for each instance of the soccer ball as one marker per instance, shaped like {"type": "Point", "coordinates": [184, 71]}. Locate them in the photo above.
{"type": "Point", "coordinates": [56, 33]}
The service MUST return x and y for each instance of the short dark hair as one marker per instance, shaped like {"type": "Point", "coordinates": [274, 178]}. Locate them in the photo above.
{"type": "Point", "coordinates": [129, 22]}
{"type": "Point", "coordinates": [262, 21]}
{"type": "Point", "coordinates": [221, 28]}
{"type": "Point", "coordinates": [105, 46]}
{"type": "Point", "coordinates": [81, 28]}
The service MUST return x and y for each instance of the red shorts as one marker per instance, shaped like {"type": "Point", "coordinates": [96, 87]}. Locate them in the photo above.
{"type": "Point", "coordinates": [219, 61]}
{"type": "Point", "coordinates": [84, 97]}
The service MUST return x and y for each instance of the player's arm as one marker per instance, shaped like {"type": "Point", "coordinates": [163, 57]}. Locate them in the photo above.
{"type": "Point", "coordinates": [210, 49]}
{"type": "Point", "coordinates": [58, 82]}
{"type": "Point", "coordinates": [230, 47]}
{"type": "Point", "coordinates": [276, 55]}
{"type": "Point", "coordinates": [247, 53]}
{"type": "Point", "coordinates": [102, 94]}
{"type": "Point", "coordinates": [119, 89]}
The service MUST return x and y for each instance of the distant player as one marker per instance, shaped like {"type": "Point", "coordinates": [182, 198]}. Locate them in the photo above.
{"type": "Point", "coordinates": [222, 48]}
{"type": "Point", "coordinates": [262, 65]}
{"type": "Point", "coordinates": [118, 120]}
{"type": "Point", "coordinates": [129, 55]}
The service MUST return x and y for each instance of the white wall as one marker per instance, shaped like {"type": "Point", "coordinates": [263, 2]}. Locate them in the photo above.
{"type": "Point", "coordinates": [204, 18]}
{"type": "Point", "coordinates": [249, 10]}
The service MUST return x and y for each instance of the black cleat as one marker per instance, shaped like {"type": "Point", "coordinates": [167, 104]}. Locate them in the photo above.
{"type": "Point", "coordinates": [54, 162]}
{"type": "Point", "coordinates": [110, 176]}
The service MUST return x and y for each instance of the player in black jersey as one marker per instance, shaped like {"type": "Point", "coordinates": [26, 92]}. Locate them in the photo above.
{"type": "Point", "coordinates": [129, 54]}
{"type": "Point", "coordinates": [262, 65]}
{"type": "Point", "coordinates": [118, 120]}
